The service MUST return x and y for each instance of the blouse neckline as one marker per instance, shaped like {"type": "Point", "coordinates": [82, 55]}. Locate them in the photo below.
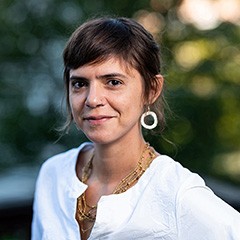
{"type": "Point", "coordinates": [82, 186]}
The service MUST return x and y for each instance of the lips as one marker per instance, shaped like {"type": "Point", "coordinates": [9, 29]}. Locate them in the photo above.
{"type": "Point", "coordinates": [97, 119]}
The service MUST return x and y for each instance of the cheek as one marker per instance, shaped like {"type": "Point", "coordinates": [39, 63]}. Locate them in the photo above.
{"type": "Point", "coordinates": [75, 103]}
{"type": "Point", "coordinates": [137, 100]}
{"type": "Point", "coordinates": [132, 106]}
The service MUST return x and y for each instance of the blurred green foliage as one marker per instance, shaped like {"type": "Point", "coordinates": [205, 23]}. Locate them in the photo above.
{"type": "Point", "coordinates": [201, 69]}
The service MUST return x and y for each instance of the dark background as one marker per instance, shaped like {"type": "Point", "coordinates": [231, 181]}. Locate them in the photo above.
{"type": "Point", "coordinates": [201, 64]}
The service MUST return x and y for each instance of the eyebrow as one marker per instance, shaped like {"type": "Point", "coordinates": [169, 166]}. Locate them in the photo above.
{"type": "Point", "coordinates": [77, 78]}
{"type": "Point", "coordinates": [111, 75]}
{"type": "Point", "coordinates": [105, 76]}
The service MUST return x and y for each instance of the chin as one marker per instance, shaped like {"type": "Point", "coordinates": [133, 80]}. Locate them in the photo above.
{"type": "Point", "coordinates": [100, 139]}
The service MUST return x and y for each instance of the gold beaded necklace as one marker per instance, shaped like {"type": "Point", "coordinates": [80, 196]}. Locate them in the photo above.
{"type": "Point", "coordinates": [87, 214]}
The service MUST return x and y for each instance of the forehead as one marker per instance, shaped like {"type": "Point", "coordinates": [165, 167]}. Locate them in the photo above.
{"type": "Point", "coordinates": [108, 65]}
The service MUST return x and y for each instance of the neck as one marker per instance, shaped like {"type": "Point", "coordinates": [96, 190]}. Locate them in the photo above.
{"type": "Point", "coordinates": [112, 162]}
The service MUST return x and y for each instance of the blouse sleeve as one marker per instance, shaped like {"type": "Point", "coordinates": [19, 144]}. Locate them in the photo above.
{"type": "Point", "coordinates": [203, 215]}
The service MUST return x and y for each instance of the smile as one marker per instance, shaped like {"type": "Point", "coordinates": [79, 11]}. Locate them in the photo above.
{"type": "Point", "coordinates": [96, 120]}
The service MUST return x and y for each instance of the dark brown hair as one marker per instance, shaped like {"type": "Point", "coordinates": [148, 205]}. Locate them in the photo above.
{"type": "Point", "coordinates": [98, 39]}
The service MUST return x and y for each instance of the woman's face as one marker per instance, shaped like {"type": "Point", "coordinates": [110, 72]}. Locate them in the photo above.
{"type": "Point", "coordinates": [106, 100]}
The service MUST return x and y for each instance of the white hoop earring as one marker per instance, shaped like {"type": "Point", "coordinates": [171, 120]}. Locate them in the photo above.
{"type": "Point", "coordinates": [154, 116]}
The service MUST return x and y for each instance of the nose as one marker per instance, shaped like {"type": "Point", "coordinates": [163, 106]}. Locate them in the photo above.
{"type": "Point", "coordinates": [95, 96]}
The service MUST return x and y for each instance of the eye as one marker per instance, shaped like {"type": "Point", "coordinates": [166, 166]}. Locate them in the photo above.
{"type": "Point", "coordinates": [77, 84]}
{"type": "Point", "coordinates": [114, 82]}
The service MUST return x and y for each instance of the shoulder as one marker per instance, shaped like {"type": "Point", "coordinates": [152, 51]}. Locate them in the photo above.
{"type": "Point", "coordinates": [57, 164]}
{"type": "Point", "coordinates": [168, 180]}
{"type": "Point", "coordinates": [57, 161]}
{"type": "Point", "coordinates": [175, 175]}
{"type": "Point", "coordinates": [199, 213]}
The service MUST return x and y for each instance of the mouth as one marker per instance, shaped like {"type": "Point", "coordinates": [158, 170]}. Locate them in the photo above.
{"type": "Point", "coordinates": [95, 120]}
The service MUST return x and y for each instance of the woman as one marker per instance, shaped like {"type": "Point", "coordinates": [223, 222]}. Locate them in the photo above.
{"type": "Point", "coordinates": [117, 186]}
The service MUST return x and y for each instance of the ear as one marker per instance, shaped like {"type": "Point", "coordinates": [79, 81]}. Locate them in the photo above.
{"type": "Point", "coordinates": [157, 89]}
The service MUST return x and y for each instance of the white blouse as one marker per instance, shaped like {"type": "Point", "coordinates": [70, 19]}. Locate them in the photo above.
{"type": "Point", "coordinates": [168, 202]}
